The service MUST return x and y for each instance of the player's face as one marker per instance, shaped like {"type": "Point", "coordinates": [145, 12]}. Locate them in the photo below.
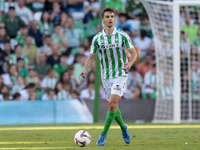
{"type": "Point", "coordinates": [108, 19]}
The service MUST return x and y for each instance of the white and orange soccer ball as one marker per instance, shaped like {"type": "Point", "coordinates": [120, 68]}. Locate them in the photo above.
{"type": "Point", "coordinates": [82, 138]}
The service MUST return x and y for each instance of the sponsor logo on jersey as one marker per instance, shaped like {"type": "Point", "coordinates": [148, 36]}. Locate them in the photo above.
{"type": "Point", "coordinates": [110, 46]}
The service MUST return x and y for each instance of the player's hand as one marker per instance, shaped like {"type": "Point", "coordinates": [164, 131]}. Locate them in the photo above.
{"type": "Point", "coordinates": [83, 74]}
{"type": "Point", "coordinates": [128, 67]}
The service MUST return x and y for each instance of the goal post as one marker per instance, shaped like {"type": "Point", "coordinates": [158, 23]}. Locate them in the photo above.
{"type": "Point", "coordinates": [176, 63]}
{"type": "Point", "coordinates": [173, 72]}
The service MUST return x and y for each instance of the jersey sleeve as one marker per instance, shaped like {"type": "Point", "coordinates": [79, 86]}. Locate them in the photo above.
{"type": "Point", "coordinates": [128, 42]}
{"type": "Point", "coordinates": [94, 46]}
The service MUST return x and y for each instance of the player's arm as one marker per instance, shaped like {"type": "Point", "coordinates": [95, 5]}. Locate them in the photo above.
{"type": "Point", "coordinates": [132, 51]}
{"type": "Point", "coordinates": [90, 59]}
{"type": "Point", "coordinates": [133, 57]}
{"type": "Point", "coordinates": [88, 64]}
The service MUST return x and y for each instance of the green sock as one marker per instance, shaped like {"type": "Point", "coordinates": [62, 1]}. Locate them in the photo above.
{"type": "Point", "coordinates": [119, 120]}
{"type": "Point", "coordinates": [109, 119]}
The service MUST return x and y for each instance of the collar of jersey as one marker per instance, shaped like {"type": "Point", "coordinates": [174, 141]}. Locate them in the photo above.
{"type": "Point", "coordinates": [114, 32]}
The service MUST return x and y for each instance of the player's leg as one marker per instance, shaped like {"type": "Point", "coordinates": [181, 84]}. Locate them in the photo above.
{"type": "Point", "coordinates": [112, 112]}
{"type": "Point", "coordinates": [116, 86]}
{"type": "Point", "coordinates": [118, 89]}
{"type": "Point", "coordinates": [107, 88]}
{"type": "Point", "coordinates": [119, 120]}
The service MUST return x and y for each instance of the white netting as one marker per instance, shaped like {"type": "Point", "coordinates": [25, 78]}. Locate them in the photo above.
{"type": "Point", "coordinates": [161, 18]}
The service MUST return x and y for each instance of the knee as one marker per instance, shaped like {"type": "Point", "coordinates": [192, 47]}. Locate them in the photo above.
{"type": "Point", "coordinates": [112, 106]}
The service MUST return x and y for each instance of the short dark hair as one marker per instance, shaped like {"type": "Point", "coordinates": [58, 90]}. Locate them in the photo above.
{"type": "Point", "coordinates": [6, 94]}
{"type": "Point", "coordinates": [19, 59]}
{"type": "Point", "coordinates": [23, 26]}
{"type": "Point", "coordinates": [122, 14]}
{"type": "Point", "coordinates": [17, 46]}
{"type": "Point", "coordinates": [58, 24]}
{"type": "Point", "coordinates": [67, 83]}
{"type": "Point", "coordinates": [126, 29]}
{"type": "Point", "coordinates": [133, 68]}
{"type": "Point", "coordinates": [75, 92]}
{"type": "Point", "coordinates": [31, 69]}
{"type": "Point", "coordinates": [7, 41]}
{"type": "Point", "coordinates": [48, 36]}
{"type": "Point", "coordinates": [49, 70]}
{"type": "Point", "coordinates": [47, 90]}
{"type": "Point", "coordinates": [16, 95]}
{"type": "Point", "coordinates": [107, 9]}
{"type": "Point", "coordinates": [148, 54]}
{"type": "Point", "coordinates": [30, 85]}
{"type": "Point", "coordinates": [65, 54]}
{"type": "Point", "coordinates": [143, 17]}
{"type": "Point", "coordinates": [11, 8]}
{"type": "Point", "coordinates": [143, 33]}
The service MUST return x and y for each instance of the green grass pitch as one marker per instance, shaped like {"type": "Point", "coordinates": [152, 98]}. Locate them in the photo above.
{"type": "Point", "coordinates": [61, 137]}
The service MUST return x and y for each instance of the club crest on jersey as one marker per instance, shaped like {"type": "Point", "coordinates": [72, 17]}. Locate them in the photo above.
{"type": "Point", "coordinates": [110, 46]}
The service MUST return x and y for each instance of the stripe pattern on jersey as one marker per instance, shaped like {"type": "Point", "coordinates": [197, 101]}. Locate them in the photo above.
{"type": "Point", "coordinates": [111, 52]}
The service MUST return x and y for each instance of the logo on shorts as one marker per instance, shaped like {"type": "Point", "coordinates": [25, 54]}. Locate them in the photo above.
{"type": "Point", "coordinates": [117, 88]}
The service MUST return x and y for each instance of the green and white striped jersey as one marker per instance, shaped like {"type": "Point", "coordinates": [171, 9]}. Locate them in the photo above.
{"type": "Point", "coordinates": [63, 95]}
{"type": "Point", "coordinates": [47, 82]}
{"type": "Point", "coordinates": [111, 52]}
{"type": "Point", "coordinates": [13, 58]}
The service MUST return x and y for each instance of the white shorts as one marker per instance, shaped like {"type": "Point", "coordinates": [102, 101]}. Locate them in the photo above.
{"type": "Point", "coordinates": [114, 86]}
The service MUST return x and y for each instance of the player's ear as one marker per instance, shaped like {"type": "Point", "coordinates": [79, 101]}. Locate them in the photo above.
{"type": "Point", "coordinates": [102, 20]}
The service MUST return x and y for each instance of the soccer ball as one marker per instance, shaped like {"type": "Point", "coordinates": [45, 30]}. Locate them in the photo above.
{"type": "Point", "coordinates": [82, 138]}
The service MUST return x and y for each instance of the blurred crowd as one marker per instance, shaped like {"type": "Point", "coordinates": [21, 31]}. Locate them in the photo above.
{"type": "Point", "coordinates": [44, 45]}
{"type": "Point", "coordinates": [190, 52]}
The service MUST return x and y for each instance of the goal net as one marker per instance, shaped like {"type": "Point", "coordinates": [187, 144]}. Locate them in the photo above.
{"type": "Point", "coordinates": [175, 26]}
